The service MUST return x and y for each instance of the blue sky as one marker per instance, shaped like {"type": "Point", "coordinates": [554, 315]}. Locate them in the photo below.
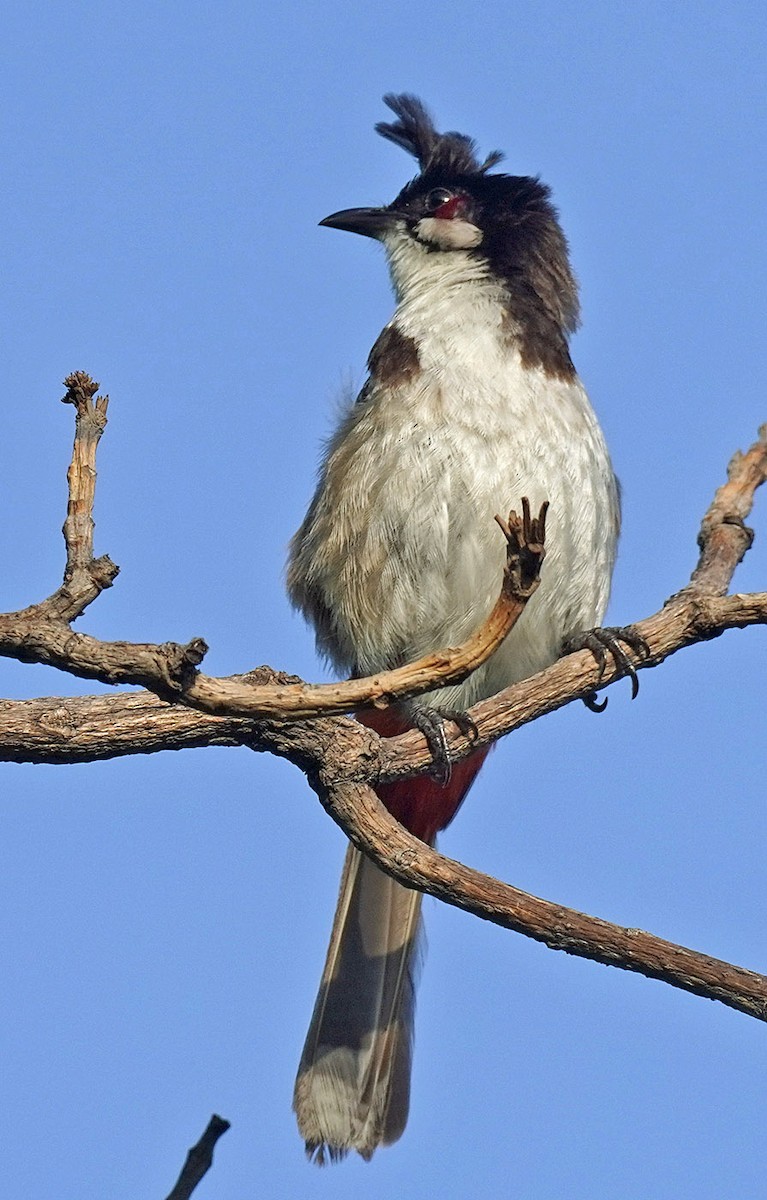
{"type": "Point", "coordinates": [165, 918]}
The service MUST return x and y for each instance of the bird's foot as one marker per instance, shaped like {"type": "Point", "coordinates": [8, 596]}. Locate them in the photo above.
{"type": "Point", "coordinates": [602, 642]}
{"type": "Point", "coordinates": [431, 722]}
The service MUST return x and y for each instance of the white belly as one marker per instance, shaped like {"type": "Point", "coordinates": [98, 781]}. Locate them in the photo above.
{"type": "Point", "coordinates": [400, 554]}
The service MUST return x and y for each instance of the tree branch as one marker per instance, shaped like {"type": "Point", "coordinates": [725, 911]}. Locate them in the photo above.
{"type": "Point", "coordinates": [170, 669]}
{"type": "Point", "coordinates": [362, 816]}
{"type": "Point", "coordinates": [42, 634]}
{"type": "Point", "coordinates": [341, 757]}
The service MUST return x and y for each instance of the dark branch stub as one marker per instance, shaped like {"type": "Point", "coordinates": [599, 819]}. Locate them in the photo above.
{"type": "Point", "coordinates": [181, 662]}
{"type": "Point", "coordinates": [81, 391]}
{"type": "Point", "coordinates": [525, 552]}
{"type": "Point", "coordinates": [526, 537]}
{"type": "Point", "coordinates": [199, 1159]}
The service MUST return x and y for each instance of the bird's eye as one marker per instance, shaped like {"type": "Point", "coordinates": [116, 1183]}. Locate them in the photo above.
{"type": "Point", "coordinates": [436, 198]}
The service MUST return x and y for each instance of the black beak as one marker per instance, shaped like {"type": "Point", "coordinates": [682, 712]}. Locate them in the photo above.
{"type": "Point", "coordinates": [371, 222]}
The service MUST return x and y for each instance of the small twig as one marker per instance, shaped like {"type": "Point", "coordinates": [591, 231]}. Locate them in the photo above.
{"type": "Point", "coordinates": [199, 1159]}
{"type": "Point", "coordinates": [89, 425]}
{"type": "Point", "coordinates": [84, 577]}
{"type": "Point", "coordinates": [723, 537]}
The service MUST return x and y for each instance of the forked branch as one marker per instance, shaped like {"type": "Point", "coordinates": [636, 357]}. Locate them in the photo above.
{"type": "Point", "coordinates": [42, 633]}
{"type": "Point", "coordinates": [341, 757]}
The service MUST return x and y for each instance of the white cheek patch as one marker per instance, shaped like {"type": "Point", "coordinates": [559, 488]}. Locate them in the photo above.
{"type": "Point", "coordinates": [450, 234]}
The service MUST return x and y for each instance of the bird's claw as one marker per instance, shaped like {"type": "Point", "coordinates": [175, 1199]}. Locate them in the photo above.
{"type": "Point", "coordinates": [431, 723]}
{"type": "Point", "coordinates": [602, 642]}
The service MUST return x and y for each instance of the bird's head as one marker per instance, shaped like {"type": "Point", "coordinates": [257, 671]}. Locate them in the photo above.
{"type": "Point", "coordinates": [458, 205]}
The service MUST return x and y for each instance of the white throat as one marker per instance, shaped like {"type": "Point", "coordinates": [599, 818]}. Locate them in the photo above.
{"type": "Point", "coordinates": [443, 296]}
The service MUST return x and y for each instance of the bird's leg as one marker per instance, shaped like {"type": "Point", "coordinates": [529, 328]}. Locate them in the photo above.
{"type": "Point", "coordinates": [602, 642]}
{"type": "Point", "coordinates": [431, 722]}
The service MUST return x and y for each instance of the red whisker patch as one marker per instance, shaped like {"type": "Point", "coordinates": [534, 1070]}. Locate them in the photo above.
{"type": "Point", "coordinates": [451, 208]}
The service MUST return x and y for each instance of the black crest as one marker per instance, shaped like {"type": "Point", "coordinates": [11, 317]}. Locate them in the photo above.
{"type": "Point", "coordinates": [453, 153]}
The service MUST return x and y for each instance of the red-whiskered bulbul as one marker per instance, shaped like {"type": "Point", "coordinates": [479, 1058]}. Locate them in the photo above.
{"type": "Point", "coordinates": [471, 403]}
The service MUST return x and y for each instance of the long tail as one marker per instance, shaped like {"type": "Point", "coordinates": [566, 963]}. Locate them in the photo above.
{"type": "Point", "coordinates": [352, 1090]}
{"type": "Point", "coordinates": [353, 1086]}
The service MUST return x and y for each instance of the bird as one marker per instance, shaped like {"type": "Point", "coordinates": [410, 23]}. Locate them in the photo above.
{"type": "Point", "coordinates": [471, 402]}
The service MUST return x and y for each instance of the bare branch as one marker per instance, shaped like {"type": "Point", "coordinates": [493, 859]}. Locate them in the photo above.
{"type": "Point", "coordinates": [346, 751]}
{"type": "Point", "coordinates": [101, 727]}
{"type": "Point", "coordinates": [84, 577]}
{"type": "Point", "coordinates": [66, 730]}
{"type": "Point", "coordinates": [170, 669]}
{"type": "Point", "coordinates": [684, 620]}
{"type": "Point", "coordinates": [371, 827]}
{"type": "Point", "coordinates": [107, 726]}
{"type": "Point", "coordinates": [342, 758]}
{"type": "Point", "coordinates": [723, 537]}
